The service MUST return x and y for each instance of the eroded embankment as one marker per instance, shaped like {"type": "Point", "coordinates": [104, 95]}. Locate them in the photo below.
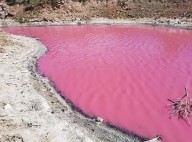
{"type": "Point", "coordinates": [30, 108]}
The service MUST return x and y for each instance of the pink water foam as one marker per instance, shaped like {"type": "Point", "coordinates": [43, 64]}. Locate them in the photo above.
{"type": "Point", "coordinates": [123, 74]}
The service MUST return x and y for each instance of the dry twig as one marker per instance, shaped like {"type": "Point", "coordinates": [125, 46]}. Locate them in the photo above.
{"type": "Point", "coordinates": [182, 108]}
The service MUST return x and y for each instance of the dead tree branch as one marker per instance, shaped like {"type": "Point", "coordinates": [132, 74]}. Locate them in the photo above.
{"type": "Point", "coordinates": [182, 108]}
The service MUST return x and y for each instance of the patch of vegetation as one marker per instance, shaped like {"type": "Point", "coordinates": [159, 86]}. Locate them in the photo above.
{"type": "Point", "coordinates": [53, 3]}
{"type": "Point", "coordinates": [13, 2]}
{"type": "Point", "coordinates": [22, 19]}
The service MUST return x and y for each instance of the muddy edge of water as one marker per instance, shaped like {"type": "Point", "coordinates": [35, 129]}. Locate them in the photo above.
{"type": "Point", "coordinates": [101, 130]}
{"type": "Point", "coordinates": [177, 23]}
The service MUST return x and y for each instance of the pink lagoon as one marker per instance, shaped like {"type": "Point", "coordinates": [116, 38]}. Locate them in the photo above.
{"type": "Point", "coordinates": [123, 74]}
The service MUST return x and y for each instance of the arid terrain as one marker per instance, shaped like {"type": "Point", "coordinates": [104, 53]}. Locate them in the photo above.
{"type": "Point", "coordinates": [30, 108]}
{"type": "Point", "coordinates": [112, 9]}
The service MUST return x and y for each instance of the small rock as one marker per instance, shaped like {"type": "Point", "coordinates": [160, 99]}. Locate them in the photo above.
{"type": "Point", "coordinates": [156, 139]}
{"type": "Point", "coordinates": [45, 19]}
{"type": "Point", "coordinates": [8, 107]}
{"type": "Point", "coordinates": [99, 119]}
{"type": "Point", "coordinates": [78, 23]}
{"type": "Point", "coordinates": [45, 106]}
{"type": "Point", "coordinates": [29, 124]}
{"type": "Point", "coordinates": [52, 112]}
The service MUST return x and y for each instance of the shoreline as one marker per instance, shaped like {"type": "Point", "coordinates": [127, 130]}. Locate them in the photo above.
{"type": "Point", "coordinates": [39, 111]}
{"type": "Point", "coordinates": [164, 22]}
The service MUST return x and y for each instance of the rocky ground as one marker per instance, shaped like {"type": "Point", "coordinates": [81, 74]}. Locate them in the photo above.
{"type": "Point", "coordinates": [69, 10]}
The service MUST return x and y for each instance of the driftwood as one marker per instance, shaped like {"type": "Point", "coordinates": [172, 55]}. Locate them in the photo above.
{"type": "Point", "coordinates": [182, 108]}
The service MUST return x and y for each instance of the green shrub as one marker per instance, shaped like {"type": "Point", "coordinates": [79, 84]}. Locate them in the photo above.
{"type": "Point", "coordinates": [22, 19]}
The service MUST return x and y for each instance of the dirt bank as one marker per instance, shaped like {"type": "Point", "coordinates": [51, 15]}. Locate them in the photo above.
{"type": "Point", "coordinates": [177, 13]}
{"type": "Point", "coordinates": [31, 109]}
{"type": "Point", "coordinates": [71, 10]}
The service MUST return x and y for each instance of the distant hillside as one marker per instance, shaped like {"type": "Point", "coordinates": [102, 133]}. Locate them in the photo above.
{"type": "Point", "coordinates": [49, 10]}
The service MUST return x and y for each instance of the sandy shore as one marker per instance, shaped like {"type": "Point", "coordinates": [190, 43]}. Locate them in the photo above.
{"type": "Point", "coordinates": [179, 23]}
{"type": "Point", "coordinates": [31, 109]}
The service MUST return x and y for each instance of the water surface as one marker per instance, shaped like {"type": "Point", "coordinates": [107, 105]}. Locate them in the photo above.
{"type": "Point", "coordinates": [123, 74]}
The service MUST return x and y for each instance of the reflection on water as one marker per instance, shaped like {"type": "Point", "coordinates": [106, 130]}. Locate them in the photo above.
{"type": "Point", "coordinates": [124, 74]}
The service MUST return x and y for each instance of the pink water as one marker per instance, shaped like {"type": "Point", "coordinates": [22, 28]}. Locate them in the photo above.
{"type": "Point", "coordinates": [123, 74]}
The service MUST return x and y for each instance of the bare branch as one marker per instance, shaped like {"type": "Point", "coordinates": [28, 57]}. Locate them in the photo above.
{"type": "Point", "coordinates": [182, 108]}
